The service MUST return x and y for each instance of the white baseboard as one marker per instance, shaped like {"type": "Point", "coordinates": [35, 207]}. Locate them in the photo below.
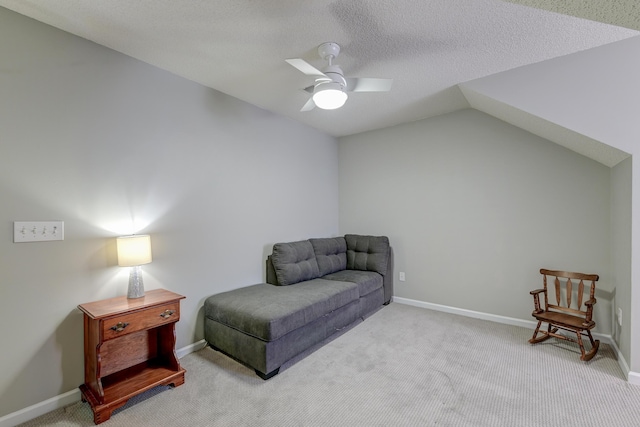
{"type": "Point", "coordinates": [34, 411]}
{"type": "Point", "coordinates": [70, 397]}
{"type": "Point", "coordinates": [632, 377]}
{"type": "Point", "coordinates": [191, 348]}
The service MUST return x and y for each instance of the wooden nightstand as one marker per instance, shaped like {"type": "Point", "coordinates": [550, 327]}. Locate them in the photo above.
{"type": "Point", "coordinates": [129, 348]}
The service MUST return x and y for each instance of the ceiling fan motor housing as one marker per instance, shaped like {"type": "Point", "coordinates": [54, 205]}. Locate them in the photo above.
{"type": "Point", "coordinates": [335, 74]}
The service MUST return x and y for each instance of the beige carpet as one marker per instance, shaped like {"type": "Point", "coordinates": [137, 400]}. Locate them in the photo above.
{"type": "Point", "coordinates": [403, 366]}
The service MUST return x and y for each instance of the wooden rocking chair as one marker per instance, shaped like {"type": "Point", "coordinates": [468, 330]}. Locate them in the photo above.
{"type": "Point", "coordinates": [562, 315]}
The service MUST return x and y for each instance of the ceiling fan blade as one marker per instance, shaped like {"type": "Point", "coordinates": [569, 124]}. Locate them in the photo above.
{"type": "Point", "coordinates": [310, 105]}
{"type": "Point", "coordinates": [304, 67]}
{"type": "Point", "coordinates": [365, 84]}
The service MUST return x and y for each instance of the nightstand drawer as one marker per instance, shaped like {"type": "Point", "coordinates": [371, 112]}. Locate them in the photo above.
{"type": "Point", "coordinates": [144, 319]}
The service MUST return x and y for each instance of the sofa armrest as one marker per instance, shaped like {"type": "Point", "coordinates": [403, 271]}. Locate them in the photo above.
{"type": "Point", "coordinates": [387, 279]}
{"type": "Point", "coordinates": [271, 272]}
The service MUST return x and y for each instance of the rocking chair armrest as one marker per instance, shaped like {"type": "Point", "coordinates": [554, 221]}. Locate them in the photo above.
{"type": "Point", "coordinates": [587, 319]}
{"type": "Point", "coordinates": [536, 301]}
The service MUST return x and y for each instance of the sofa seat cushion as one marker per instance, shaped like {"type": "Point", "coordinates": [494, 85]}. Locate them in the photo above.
{"type": "Point", "coordinates": [367, 281]}
{"type": "Point", "coordinates": [331, 254]}
{"type": "Point", "coordinates": [268, 312]}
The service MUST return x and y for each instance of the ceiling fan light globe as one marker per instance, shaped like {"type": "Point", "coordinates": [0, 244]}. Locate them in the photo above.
{"type": "Point", "coordinates": [329, 96]}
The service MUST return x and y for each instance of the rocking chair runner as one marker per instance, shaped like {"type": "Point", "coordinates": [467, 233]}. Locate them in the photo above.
{"type": "Point", "coordinates": [562, 315]}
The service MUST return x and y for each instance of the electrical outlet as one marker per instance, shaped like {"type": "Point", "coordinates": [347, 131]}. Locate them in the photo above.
{"type": "Point", "coordinates": [37, 231]}
{"type": "Point", "coordinates": [619, 316]}
{"type": "Point", "coordinates": [401, 276]}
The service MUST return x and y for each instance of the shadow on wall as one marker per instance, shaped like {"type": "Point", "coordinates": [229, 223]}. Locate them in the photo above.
{"type": "Point", "coordinates": [198, 332]}
{"type": "Point", "coordinates": [605, 294]}
{"type": "Point", "coordinates": [70, 342]}
{"type": "Point", "coordinates": [225, 107]}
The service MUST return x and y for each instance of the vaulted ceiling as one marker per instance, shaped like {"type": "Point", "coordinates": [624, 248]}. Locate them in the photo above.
{"type": "Point", "coordinates": [428, 48]}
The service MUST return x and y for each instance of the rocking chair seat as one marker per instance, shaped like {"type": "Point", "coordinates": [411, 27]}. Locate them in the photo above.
{"type": "Point", "coordinates": [563, 319]}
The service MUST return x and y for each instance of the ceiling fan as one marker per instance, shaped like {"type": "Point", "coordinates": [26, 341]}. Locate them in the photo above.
{"type": "Point", "coordinates": [331, 87]}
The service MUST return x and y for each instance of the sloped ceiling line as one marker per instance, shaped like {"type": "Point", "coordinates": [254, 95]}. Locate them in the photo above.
{"type": "Point", "coordinates": [428, 48]}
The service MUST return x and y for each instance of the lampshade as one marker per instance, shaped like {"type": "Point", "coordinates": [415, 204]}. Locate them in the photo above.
{"type": "Point", "coordinates": [134, 250]}
{"type": "Point", "coordinates": [329, 96]}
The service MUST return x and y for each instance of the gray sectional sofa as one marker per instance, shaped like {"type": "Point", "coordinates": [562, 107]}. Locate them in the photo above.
{"type": "Point", "coordinates": [314, 289]}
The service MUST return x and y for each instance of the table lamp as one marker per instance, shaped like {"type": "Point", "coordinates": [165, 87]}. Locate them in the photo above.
{"type": "Point", "coordinates": [134, 251]}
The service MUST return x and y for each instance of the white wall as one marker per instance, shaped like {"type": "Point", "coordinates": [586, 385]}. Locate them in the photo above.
{"type": "Point", "coordinates": [112, 146]}
{"type": "Point", "coordinates": [474, 207]}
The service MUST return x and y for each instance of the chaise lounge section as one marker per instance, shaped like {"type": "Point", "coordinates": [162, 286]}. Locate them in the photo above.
{"type": "Point", "coordinates": [315, 288]}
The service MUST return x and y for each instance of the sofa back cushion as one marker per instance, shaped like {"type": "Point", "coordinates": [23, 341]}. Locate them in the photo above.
{"type": "Point", "coordinates": [331, 254]}
{"type": "Point", "coordinates": [369, 253]}
{"type": "Point", "coordinates": [294, 262]}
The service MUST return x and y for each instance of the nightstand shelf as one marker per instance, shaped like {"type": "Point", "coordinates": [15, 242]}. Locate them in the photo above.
{"type": "Point", "coordinates": [129, 349]}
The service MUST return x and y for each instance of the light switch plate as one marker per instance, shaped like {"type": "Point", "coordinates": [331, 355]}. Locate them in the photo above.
{"type": "Point", "coordinates": [37, 231]}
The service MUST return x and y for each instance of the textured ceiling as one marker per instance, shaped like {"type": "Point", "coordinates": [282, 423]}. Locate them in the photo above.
{"type": "Point", "coordinates": [622, 13]}
{"type": "Point", "coordinates": [427, 47]}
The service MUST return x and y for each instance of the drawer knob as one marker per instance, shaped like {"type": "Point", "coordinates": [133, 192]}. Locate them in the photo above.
{"type": "Point", "coordinates": [167, 313]}
{"type": "Point", "coordinates": [119, 327]}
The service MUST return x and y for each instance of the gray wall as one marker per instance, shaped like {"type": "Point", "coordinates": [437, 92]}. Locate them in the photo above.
{"type": "Point", "coordinates": [621, 252]}
{"type": "Point", "coordinates": [475, 207]}
{"type": "Point", "coordinates": [112, 146]}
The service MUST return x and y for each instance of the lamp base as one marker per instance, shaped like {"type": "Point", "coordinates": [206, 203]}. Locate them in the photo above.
{"type": "Point", "coordinates": [136, 287]}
